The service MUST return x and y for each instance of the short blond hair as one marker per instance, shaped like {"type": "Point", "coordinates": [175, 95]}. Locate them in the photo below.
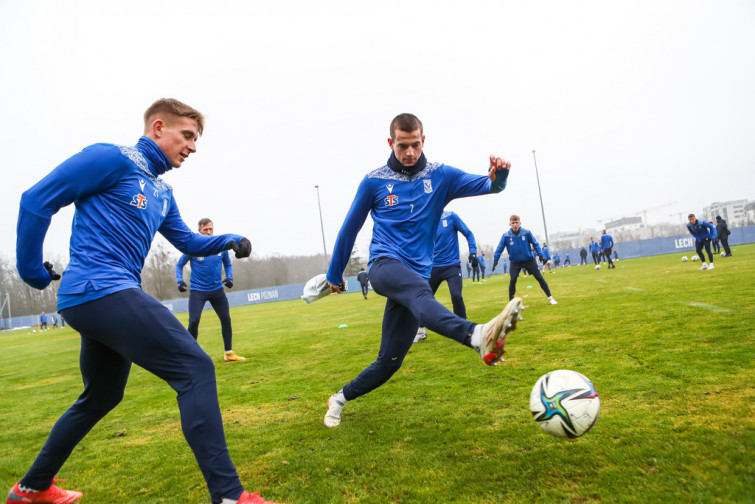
{"type": "Point", "coordinates": [173, 107]}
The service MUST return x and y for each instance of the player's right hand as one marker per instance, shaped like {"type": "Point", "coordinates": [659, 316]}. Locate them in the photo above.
{"type": "Point", "coordinates": [495, 263]}
{"type": "Point", "coordinates": [181, 286]}
{"type": "Point", "coordinates": [53, 274]}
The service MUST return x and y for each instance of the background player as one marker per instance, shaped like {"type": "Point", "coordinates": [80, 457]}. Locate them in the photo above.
{"type": "Point", "coordinates": [606, 245]}
{"type": "Point", "coordinates": [207, 285]}
{"type": "Point", "coordinates": [446, 262]}
{"type": "Point", "coordinates": [703, 233]}
{"type": "Point", "coordinates": [520, 243]}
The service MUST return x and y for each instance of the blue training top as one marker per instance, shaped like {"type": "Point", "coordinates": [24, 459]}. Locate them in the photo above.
{"type": "Point", "coordinates": [446, 251]}
{"type": "Point", "coordinates": [594, 246]}
{"type": "Point", "coordinates": [206, 272]}
{"type": "Point", "coordinates": [606, 241]}
{"type": "Point", "coordinates": [519, 245]}
{"type": "Point", "coordinates": [120, 204]}
{"type": "Point", "coordinates": [701, 230]}
{"type": "Point", "coordinates": [405, 212]}
{"type": "Point", "coordinates": [546, 253]}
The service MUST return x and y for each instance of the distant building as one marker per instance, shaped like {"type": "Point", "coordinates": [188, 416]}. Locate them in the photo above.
{"type": "Point", "coordinates": [570, 240]}
{"type": "Point", "coordinates": [624, 224]}
{"type": "Point", "coordinates": [750, 213]}
{"type": "Point", "coordinates": [733, 211]}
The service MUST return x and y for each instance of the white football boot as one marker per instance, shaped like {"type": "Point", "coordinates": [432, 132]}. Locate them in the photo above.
{"type": "Point", "coordinates": [489, 339]}
{"type": "Point", "coordinates": [710, 266]}
{"type": "Point", "coordinates": [335, 406]}
{"type": "Point", "coordinates": [703, 267]}
{"type": "Point", "coordinates": [551, 300]}
{"type": "Point", "coordinates": [421, 335]}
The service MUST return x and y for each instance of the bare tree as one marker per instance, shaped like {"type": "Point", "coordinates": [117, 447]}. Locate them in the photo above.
{"type": "Point", "coordinates": [159, 273]}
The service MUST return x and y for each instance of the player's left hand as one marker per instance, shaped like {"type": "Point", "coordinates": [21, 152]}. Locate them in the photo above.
{"type": "Point", "coordinates": [242, 249]}
{"type": "Point", "coordinates": [53, 274]}
{"type": "Point", "coordinates": [228, 283]}
{"type": "Point", "coordinates": [496, 164]}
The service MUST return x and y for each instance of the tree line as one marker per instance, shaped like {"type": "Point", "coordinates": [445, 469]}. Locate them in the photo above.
{"type": "Point", "coordinates": [159, 276]}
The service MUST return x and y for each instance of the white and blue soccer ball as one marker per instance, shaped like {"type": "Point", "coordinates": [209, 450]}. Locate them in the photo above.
{"type": "Point", "coordinates": [597, 266]}
{"type": "Point", "coordinates": [564, 403]}
{"type": "Point", "coordinates": [695, 258]}
{"type": "Point", "coordinates": [684, 259]}
{"type": "Point", "coordinates": [723, 254]}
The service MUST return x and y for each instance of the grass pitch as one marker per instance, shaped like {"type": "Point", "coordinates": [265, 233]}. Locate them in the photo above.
{"type": "Point", "coordinates": [669, 348]}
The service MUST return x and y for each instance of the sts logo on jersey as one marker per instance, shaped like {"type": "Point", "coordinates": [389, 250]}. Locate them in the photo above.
{"type": "Point", "coordinates": [391, 200]}
{"type": "Point", "coordinates": [139, 201]}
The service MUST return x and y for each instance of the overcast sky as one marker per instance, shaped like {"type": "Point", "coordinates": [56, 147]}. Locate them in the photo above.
{"type": "Point", "coordinates": [630, 106]}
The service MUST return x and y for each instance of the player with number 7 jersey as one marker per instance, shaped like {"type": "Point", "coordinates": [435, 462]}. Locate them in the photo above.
{"type": "Point", "coordinates": [406, 198]}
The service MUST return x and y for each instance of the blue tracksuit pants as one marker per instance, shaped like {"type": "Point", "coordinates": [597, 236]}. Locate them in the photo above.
{"type": "Point", "coordinates": [131, 326]}
{"type": "Point", "coordinates": [452, 275]}
{"type": "Point", "coordinates": [219, 303]}
{"type": "Point", "coordinates": [410, 304]}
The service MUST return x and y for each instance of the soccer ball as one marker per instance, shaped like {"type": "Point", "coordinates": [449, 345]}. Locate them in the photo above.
{"type": "Point", "coordinates": [597, 266]}
{"type": "Point", "coordinates": [723, 254]}
{"type": "Point", "coordinates": [564, 403]}
{"type": "Point", "coordinates": [695, 258]}
{"type": "Point", "coordinates": [684, 258]}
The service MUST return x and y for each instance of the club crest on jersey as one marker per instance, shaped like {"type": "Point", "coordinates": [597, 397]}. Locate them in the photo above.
{"type": "Point", "coordinates": [445, 223]}
{"type": "Point", "coordinates": [139, 201]}
{"type": "Point", "coordinates": [391, 200]}
{"type": "Point", "coordinates": [428, 185]}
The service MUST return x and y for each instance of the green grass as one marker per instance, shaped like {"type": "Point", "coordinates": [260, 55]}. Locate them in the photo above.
{"type": "Point", "coordinates": [670, 350]}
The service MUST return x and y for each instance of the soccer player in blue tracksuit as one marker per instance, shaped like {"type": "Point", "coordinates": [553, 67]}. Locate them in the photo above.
{"type": "Point", "coordinates": [121, 202]}
{"type": "Point", "coordinates": [567, 260]}
{"type": "Point", "coordinates": [481, 260]}
{"type": "Point", "coordinates": [206, 285]}
{"type": "Point", "coordinates": [606, 244]}
{"type": "Point", "coordinates": [446, 262]}
{"type": "Point", "coordinates": [545, 257]}
{"type": "Point", "coordinates": [406, 198]}
{"type": "Point", "coordinates": [520, 242]}
{"type": "Point", "coordinates": [703, 232]}
{"type": "Point", "coordinates": [364, 281]}
{"type": "Point", "coordinates": [595, 251]}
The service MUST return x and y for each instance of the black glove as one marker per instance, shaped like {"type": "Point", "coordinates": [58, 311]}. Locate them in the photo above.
{"type": "Point", "coordinates": [473, 260]}
{"type": "Point", "coordinates": [181, 286]}
{"type": "Point", "coordinates": [495, 263]}
{"type": "Point", "coordinates": [53, 275]}
{"type": "Point", "coordinates": [542, 259]}
{"type": "Point", "coordinates": [242, 249]}
{"type": "Point", "coordinates": [228, 282]}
